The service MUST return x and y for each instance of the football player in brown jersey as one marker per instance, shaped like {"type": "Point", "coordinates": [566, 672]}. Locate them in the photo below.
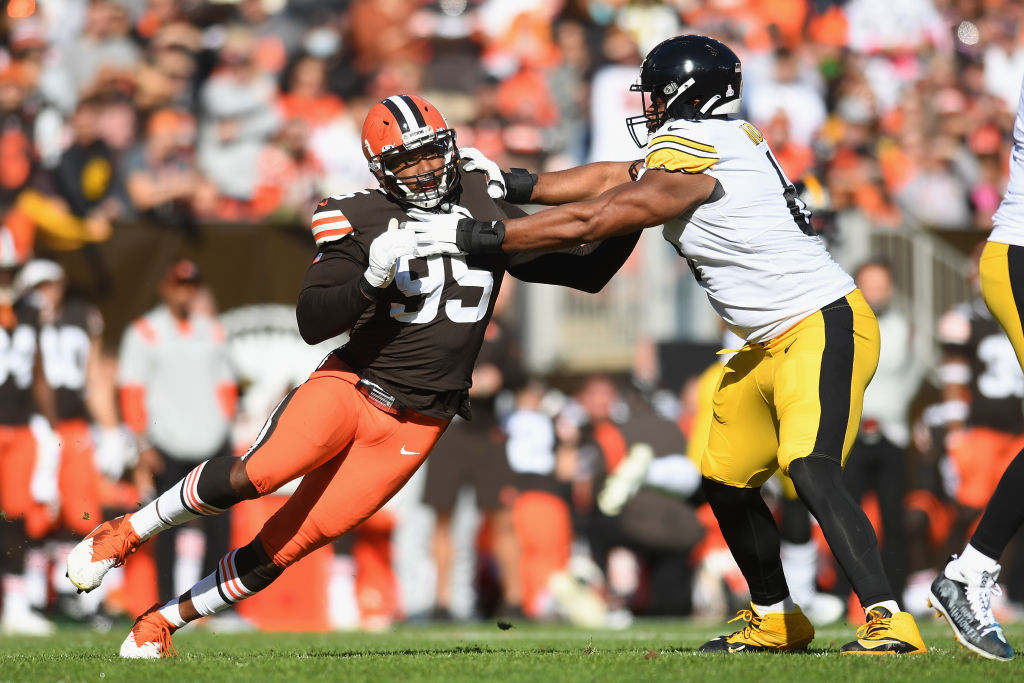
{"type": "Point", "coordinates": [368, 416]}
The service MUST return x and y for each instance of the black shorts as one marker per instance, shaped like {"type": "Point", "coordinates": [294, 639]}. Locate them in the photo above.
{"type": "Point", "coordinates": [469, 453]}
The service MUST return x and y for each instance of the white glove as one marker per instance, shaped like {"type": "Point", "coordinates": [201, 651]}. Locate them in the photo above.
{"type": "Point", "coordinates": [43, 485]}
{"type": "Point", "coordinates": [474, 160]}
{"type": "Point", "coordinates": [113, 451]}
{"type": "Point", "coordinates": [621, 484]}
{"type": "Point", "coordinates": [385, 251]}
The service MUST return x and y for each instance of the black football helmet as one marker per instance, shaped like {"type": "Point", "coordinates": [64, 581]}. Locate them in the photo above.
{"type": "Point", "coordinates": [688, 77]}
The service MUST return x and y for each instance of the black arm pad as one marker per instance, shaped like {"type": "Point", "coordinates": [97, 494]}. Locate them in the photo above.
{"type": "Point", "coordinates": [519, 185]}
{"type": "Point", "coordinates": [479, 237]}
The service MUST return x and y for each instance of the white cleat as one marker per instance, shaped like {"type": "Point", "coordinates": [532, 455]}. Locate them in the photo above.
{"type": "Point", "coordinates": [106, 547]}
{"type": "Point", "coordinates": [150, 638]}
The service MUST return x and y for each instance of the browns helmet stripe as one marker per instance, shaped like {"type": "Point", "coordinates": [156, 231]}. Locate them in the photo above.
{"type": "Point", "coordinates": [405, 112]}
{"type": "Point", "coordinates": [420, 121]}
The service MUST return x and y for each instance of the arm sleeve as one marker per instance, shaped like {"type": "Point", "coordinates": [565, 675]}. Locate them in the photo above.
{"type": "Point", "coordinates": [331, 302]}
{"type": "Point", "coordinates": [588, 267]}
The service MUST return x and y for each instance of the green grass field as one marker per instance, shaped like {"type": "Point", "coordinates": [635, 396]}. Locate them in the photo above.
{"type": "Point", "coordinates": [648, 651]}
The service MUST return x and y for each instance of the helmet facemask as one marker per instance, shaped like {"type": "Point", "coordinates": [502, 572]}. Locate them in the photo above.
{"type": "Point", "coordinates": [426, 189]}
{"type": "Point", "coordinates": [654, 113]}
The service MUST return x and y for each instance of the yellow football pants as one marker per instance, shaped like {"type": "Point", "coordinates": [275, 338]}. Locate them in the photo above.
{"type": "Point", "coordinates": [796, 395]}
{"type": "Point", "coordinates": [1002, 285]}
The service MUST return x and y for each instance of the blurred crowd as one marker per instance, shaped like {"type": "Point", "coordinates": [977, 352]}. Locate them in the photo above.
{"type": "Point", "coordinates": [176, 112]}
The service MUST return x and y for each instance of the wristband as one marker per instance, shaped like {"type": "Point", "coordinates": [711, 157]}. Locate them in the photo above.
{"type": "Point", "coordinates": [519, 184]}
{"type": "Point", "coordinates": [479, 237]}
{"type": "Point", "coordinates": [369, 291]}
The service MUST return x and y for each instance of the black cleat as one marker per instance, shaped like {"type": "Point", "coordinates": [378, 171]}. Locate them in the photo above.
{"type": "Point", "coordinates": [967, 607]}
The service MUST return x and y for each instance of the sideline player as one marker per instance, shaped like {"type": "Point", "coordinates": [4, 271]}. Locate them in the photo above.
{"type": "Point", "coordinates": [366, 419]}
{"type": "Point", "coordinates": [791, 398]}
{"type": "Point", "coordinates": [962, 593]}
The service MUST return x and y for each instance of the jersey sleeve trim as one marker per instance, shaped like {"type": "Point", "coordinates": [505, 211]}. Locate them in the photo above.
{"type": "Point", "coordinates": [676, 160]}
{"type": "Point", "coordinates": [330, 226]}
{"type": "Point", "coordinates": [686, 144]}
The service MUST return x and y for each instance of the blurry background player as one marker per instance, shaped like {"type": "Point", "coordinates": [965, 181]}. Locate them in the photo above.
{"type": "Point", "coordinates": [70, 345]}
{"type": "Point", "coordinates": [472, 454]}
{"type": "Point", "coordinates": [28, 454]}
{"type": "Point", "coordinates": [178, 396]}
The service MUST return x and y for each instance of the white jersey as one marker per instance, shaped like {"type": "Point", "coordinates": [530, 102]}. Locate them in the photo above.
{"type": "Point", "coordinates": [1008, 221]}
{"type": "Point", "coordinates": [751, 249]}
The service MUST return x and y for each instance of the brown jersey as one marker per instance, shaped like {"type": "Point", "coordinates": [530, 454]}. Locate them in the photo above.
{"type": "Point", "coordinates": [65, 344]}
{"type": "Point", "coordinates": [996, 381]}
{"type": "Point", "coordinates": [18, 346]}
{"type": "Point", "coordinates": [420, 338]}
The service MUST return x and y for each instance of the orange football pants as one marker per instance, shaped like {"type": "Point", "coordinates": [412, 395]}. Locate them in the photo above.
{"type": "Point", "coordinates": [17, 460]}
{"type": "Point", "coordinates": [981, 455]}
{"type": "Point", "coordinates": [352, 457]}
{"type": "Point", "coordinates": [79, 480]}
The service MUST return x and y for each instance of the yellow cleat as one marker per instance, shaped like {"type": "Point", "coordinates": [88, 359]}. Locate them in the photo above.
{"type": "Point", "coordinates": [771, 632]}
{"type": "Point", "coordinates": [887, 634]}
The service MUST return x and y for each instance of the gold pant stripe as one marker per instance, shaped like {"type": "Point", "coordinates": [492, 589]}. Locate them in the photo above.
{"type": "Point", "coordinates": [1002, 285]}
{"type": "Point", "coordinates": [797, 395]}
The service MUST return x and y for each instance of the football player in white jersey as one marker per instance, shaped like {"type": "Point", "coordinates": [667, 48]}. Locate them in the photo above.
{"type": "Point", "coordinates": [791, 397]}
{"type": "Point", "coordinates": [962, 593]}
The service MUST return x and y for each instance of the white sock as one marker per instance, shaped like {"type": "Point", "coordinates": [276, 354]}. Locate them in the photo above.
{"type": "Point", "coordinates": [221, 589]}
{"type": "Point", "coordinates": [172, 614]}
{"type": "Point", "coordinates": [15, 599]}
{"type": "Point", "coordinates": [800, 565]}
{"type": "Point", "coordinates": [971, 562]}
{"type": "Point", "coordinates": [784, 605]}
{"type": "Point", "coordinates": [890, 605]}
{"type": "Point", "coordinates": [177, 505]}
{"type": "Point", "coordinates": [37, 586]}
{"type": "Point", "coordinates": [342, 607]}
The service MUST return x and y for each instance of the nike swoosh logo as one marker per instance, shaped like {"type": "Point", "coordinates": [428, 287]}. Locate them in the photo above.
{"type": "Point", "coordinates": [737, 648]}
{"type": "Point", "coordinates": [405, 452]}
{"type": "Point", "coordinates": [874, 644]}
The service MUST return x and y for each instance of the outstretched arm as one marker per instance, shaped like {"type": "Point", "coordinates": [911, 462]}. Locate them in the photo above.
{"type": "Point", "coordinates": [588, 267]}
{"type": "Point", "coordinates": [657, 197]}
{"type": "Point", "coordinates": [578, 184]}
{"type": "Point", "coordinates": [582, 183]}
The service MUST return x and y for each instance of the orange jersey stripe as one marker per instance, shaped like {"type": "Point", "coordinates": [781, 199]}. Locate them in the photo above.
{"type": "Point", "coordinates": [337, 232]}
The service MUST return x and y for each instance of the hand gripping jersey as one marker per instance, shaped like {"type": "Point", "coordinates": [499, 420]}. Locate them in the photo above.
{"type": "Point", "coordinates": [996, 381]}
{"type": "Point", "coordinates": [1008, 221]}
{"type": "Point", "coordinates": [17, 361]}
{"type": "Point", "coordinates": [65, 345]}
{"type": "Point", "coordinates": [750, 246]}
{"type": "Point", "coordinates": [420, 339]}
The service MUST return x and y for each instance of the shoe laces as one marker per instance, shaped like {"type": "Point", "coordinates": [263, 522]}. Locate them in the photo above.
{"type": "Point", "coordinates": [154, 630]}
{"type": "Point", "coordinates": [878, 623]}
{"type": "Point", "coordinates": [753, 620]}
{"type": "Point", "coordinates": [114, 543]}
{"type": "Point", "coordinates": [979, 596]}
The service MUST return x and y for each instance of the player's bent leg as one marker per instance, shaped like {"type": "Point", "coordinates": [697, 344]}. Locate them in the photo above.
{"type": "Point", "coordinates": [849, 533]}
{"type": "Point", "coordinates": [774, 623]}
{"type": "Point", "coordinates": [311, 425]}
{"type": "Point", "coordinates": [240, 574]}
{"type": "Point", "coordinates": [204, 491]}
